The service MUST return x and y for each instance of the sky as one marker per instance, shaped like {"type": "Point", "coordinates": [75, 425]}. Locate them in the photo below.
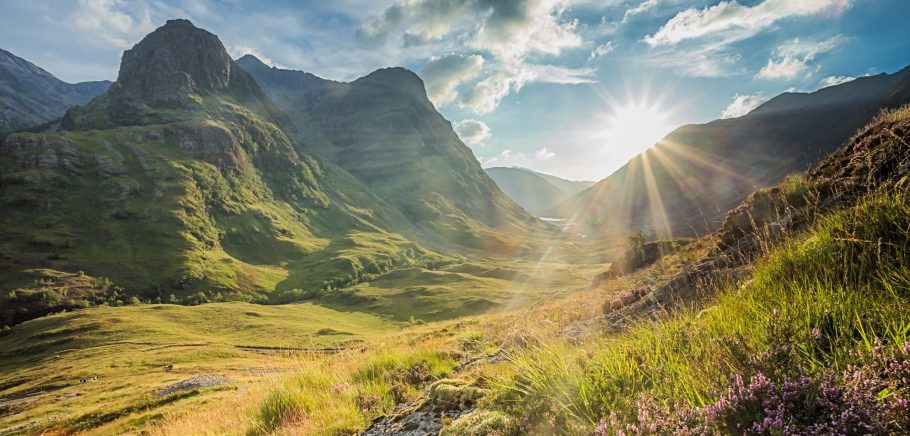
{"type": "Point", "coordinates": [573, 88]}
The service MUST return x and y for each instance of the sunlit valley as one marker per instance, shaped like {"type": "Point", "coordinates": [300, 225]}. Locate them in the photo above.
{"type": "Point", "coordinates": [458, 218]}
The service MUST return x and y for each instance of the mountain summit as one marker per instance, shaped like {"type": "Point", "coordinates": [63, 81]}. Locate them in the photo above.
{"type": "Point", "coordinates": [176, 59]}
{"type": "Point", "coordinates": [174, 67]}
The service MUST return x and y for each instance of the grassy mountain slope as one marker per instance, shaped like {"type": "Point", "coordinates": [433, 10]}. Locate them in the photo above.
{"type": "Point", "coordinates": [536, 192]}
{"type": "Point", "coordinates": [684, 184]}
{"type": "Point", "coordinates": [180, 180]}
{"type": "Point", "coordinates": [30, 95]}
{"type": "Point", "coordinates": [382, 129]}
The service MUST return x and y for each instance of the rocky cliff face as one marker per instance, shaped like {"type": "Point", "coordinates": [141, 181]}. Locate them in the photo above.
{"type": "Point", "coordinates": [173, 68]}
{"type": "Point", "coordinates": [30, 95]}
{"type": "Point", "coordinates": [174, 61]}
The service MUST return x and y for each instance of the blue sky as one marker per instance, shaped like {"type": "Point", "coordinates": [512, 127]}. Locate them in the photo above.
{"type": "Point", "coordinates": [535, 83]}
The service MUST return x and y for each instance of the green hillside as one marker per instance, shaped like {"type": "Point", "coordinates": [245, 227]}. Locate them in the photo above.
{"type": "Point", "coordinates": [383, 129]}
{"type": "Point", "coordinates": [181, 184]}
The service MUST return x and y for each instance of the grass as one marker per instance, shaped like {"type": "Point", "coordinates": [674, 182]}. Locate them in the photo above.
{"type": "Point", "coordinates": [258, 345]}
{"type": "Point", "coordinates": [127, 347]}
{"type": "Point", "coordinates": [556, 380]}
{"type": "Point", "coordinates": [828, 294]}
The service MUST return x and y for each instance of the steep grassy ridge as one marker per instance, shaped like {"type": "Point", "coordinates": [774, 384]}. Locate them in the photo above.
{"type": "Point", "coordinates": [383, 130]}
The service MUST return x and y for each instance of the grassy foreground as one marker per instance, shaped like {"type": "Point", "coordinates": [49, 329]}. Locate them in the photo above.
{"type": "Point", "coordinates": [43, 361]}
{"type": "Point", "coordinates": [801, 347]}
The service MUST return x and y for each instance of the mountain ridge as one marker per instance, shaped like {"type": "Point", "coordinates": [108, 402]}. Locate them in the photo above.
{"type": "Point", "coordinates": [383, 127]}
{"type": "Point", "coordinates": [30, 95]}
{"type": "Point", "coordinates": [682, 185]}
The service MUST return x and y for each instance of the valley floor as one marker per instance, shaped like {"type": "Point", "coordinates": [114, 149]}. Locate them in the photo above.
{"type": "Point", "coordinates": [110, 369]}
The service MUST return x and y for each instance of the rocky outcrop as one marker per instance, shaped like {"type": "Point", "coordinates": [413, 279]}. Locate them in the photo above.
{"type": "Point", "coordinates": [174, 61]}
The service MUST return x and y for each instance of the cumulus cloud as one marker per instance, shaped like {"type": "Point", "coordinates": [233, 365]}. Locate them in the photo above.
{"type": "Point", "coordinates": [544, 154]}
{"type": "Point", "coordinates": [514, 29]}
{"type": "Point", "coordinates": [792, 58]}
{"type": "Point", "coordinates": [742, 105]}
{"type": "Point", "coordinates": [443, 75]}
{"type": "Point", "coordinates": [734, 21]}
{"type": "Point", "coordinates": [506, 33]}
{"type": "Point", "coordinates": [601, 50]}
{"type": "Point", "coordinates": [472, 132]}
{"type": "Point", "coordinates": [835, 80]}
{"type": "Point", "coordinates": [111, 21]}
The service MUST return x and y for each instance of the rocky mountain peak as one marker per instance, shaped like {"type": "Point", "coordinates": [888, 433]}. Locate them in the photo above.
{"type": "Point", "coordinates": [175, 60]}
{"type": "Point", "coordinates": [400, 79]}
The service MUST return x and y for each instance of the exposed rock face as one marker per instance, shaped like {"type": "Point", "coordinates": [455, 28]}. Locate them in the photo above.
{"type": "Point", "coordinates": [175, 60]}
{"type": "Point", "coordinates": [174, 67]}
{"type": "Point", "coordinates": [30, 95]}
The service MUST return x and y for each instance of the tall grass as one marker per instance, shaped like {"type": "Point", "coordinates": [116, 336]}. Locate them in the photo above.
{"type": "Point", "coordinates": [828, 295]}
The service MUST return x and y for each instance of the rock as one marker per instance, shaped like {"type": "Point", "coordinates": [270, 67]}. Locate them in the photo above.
{"type": "Point", "coordinates": [195, 382]}
{"type": "Point", "coordinates": [174, 61]}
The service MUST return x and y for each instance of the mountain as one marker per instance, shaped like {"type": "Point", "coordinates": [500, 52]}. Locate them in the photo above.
{"type": "Point", "coordinates": [180, 183]}
{"type": "Point", "coordinates": [383, 130]}
{"type": "Point", "coordinates": [30, 95]}
{"type": "Point", "coordinates": [683, 184]}
{"type": "Point", "coordinates": [536, 192]}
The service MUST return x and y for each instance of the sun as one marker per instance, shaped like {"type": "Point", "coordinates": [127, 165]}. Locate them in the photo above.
{"type": "Point", "coordinates": [635, 127]}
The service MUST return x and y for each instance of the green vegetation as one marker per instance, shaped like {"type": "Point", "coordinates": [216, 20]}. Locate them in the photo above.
{"type": "Point", "coordinates": [827, 315]}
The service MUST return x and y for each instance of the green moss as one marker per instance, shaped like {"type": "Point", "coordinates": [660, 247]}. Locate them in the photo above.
{"type": "Point", "coordinates": [480, 423]}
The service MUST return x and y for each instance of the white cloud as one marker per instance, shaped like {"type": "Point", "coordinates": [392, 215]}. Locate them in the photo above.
{"type": "Point", "coordinates": [792, 58]}
{"type": "Point", "coordinates": [544, 154]}
{"type": "Point", "coordinates": [507, 158]}
{"type": "Point", "coordinates": [472, 132]}
{"type": "Point", "coordinates": [239, 50]}
{"type": "Point", "coordinates": [735, 21]}
{"type": "Point", "coordinates": [835, 80]}
{"type": "Point", "coordinates": [444, 74]}
{"type": "Point", "coordinates": [505, 33]}
{"type": "Point", "coordinates": [489, 92]}
{"type": "Point", "coordinates": [641, 8]}
{"type": "Point", "coordinates": [110, 21]}
{"type": "Point", "coordinates": [742, 105]}
{"type": "Point", "coordinates": [601, 50]}
{"type": "Point", "coordinates": [514, 29]}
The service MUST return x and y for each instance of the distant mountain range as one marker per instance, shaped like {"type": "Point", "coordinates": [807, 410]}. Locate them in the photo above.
{"type": "Point", "coordinates": [687, 181]}
{"type": "Point", "coordinates": [30, 95]}
{"type": "Point", "coordinates": [538, 193]}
